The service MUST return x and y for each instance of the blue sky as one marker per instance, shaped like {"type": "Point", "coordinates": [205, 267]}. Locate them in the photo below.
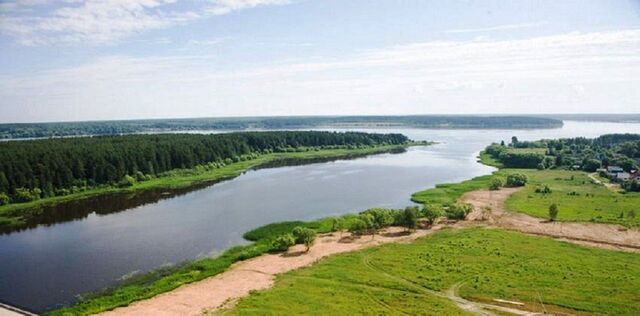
{"type": "Point", "coordinates": [114, 59]}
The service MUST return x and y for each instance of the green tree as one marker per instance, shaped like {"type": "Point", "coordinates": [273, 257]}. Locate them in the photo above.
{"type": "Point", "coordinates": [4, 183]}
{"type": "Point", "coordinates": [410, 218]}
{"type": "Point", "coordinates": [458, 211]}
{"type": "Point", "coordinates": [553, 212]}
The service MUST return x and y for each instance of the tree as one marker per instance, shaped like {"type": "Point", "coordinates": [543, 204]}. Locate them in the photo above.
{"type": "Point", "coordinates": [516, 180]}
{"type": "Point", "coordinates": [127, 181]}
{"type": "Point", "coordinates": [282, 243]}
{"type": "Point", "coordinates": [514, 141]}
{"type": "Point", "coordinates": [553, 212]}
{"type": "Point", "coordinates": [303, 235]}
{"type": "Point", "coordinates": [432, 212]}
{"type": "Point", "coordinates": [410, 218]}
{"type": "Point", "coordinates": [495, 184]}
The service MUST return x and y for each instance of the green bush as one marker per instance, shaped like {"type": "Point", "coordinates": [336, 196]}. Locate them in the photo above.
{"type": "Point", "coordinates": [25, 195]}
{"type": "Point", "coordinates": [432, 212]}
{"type": "Point", "coordinates": [458, 211]}
{"type": "Point", "coordinates": [495, 184]}
{"type": "Point", "coordinates": [516, 180]}
{"type": "Point", "coordinates": [283, 242]}
{"type": "Point", "coordinates": [4, 199]}
{"type": "Point", "coordinates": [127, 181]}
{"type": "Point", "coordinates": [553, 212]}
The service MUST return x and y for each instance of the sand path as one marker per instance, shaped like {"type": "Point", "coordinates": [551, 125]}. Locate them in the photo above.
{"type": "Point", "coordinates": [255, 274]}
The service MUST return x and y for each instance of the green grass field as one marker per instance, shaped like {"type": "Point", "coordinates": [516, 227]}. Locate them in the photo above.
{"type": "Point", "coordinates": [484, 263]}
{"type": "Point", "coordinates": [16, 215]}
{"type": "Point", "coordinates": [578, 199]}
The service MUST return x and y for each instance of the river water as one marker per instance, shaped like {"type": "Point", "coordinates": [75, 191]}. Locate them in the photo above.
{"type": "Point", "coordinates": [103, 241]}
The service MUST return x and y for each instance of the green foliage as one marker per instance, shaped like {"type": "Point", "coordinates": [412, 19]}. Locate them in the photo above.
{"type": "Point", "coordinates": [516, 180]}
{"type": "Point", "coordinates": [496, 184]}
{"type": "Point", "coordinates": [4, 199]}
{"type": "Point", "coordinates": [484, 264]}
{"type": "Point", "coordinates": [409, 218]}
{"type": "Point", "coordinates": [127, 181]}
{"type": "Point", "coordinates": [458, 211]}
{"type": "Point", "coordinates": [282, 243]}
{"type": "Point", "coordinates": [631, 186]}
{"type": "Point", "coordinates": [432, 212]}
{"type": "Point", "coordinates": [381, 217]}
{"type": "Point", "coordinates": [544, 190]}
{"type": "Point", "coordinates": [26, 195]}
{"type": "Point", "coordinates": [553, 212]}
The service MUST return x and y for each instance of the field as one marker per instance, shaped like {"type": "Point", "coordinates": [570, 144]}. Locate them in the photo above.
{"type": "Point", "coordinates": [578, 199]}
{"type": "Point", "coordinates": [16, 215]}
{"type": "Point", "coordinates": [477, 264]}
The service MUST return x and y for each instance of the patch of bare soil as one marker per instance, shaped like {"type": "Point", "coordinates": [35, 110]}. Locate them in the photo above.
{"type": "Point", "coordinates": [489, 208]}
{"type": "Point", "coordinates": [256, 274]}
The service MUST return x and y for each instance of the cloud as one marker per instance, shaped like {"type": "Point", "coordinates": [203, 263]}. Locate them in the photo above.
{"type": "Point", "coordinates": [499, 27]}
{"type": "Point", "coordinates": [221, 7]}
{"type": "Point", "coordinates": [35, 22]}
{"type": "Point", "coordinates": [592, 72]}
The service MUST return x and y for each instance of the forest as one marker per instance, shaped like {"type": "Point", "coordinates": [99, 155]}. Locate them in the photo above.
{"type": "Point", "coordinates": [62, 129]}
{"type": "Point", "coordinates": [588, 154]}
{"type": "Point", "coordinates": [35, 169]}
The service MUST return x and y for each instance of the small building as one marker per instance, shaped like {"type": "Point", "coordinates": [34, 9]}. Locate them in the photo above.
{"type": "Point", "coordinates": [623, 176]}
{"type": "Point", "coordinates": [614, 169]}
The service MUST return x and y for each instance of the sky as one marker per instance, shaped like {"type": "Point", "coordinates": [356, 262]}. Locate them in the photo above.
{"type": "Point", "coordinates": [70, 60]}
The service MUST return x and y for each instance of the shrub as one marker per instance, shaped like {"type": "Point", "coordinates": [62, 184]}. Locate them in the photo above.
{"type": "Point", "coordinates": [543, 190]}
{"type": "Point", "coordinates": [26, 195]}
{"type": "Point", "coordinates": [283, 242]}
{"type": "Point", "coordinates": [4, 199]}
{"type": "Point", "coordinates": [516, 180]}
{"type": "Point", "coordinates": [303, 235]}
{"type": "Point", "coordinates": [458, 211]}
{"type": "Point", "coordinates": [381, 218]}
{"type": "Point", "coordinates": [358, 226]}
{"type": "Point", "coordinates": [495, 184]}
{"type": "Point", "coordinates": [432, 212]}
{"type": "Point", "coordinates": [127, 181]}
{"type": "Point", "coordinates": [553, 212]}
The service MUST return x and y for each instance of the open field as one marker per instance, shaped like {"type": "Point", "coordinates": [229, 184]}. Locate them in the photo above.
{"type": "Point", "coordinates": [18, 214]}
{"type": "Point", "coordinates": [479, 264]}
{"type": "Point", "coordinates": [578, 199]}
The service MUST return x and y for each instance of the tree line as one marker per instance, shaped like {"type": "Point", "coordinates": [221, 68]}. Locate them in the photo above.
{"type": "Point", "coordinates": [587, 154]}
{"type": "Point", "coordinates": [61, 129]}
{"type": "Point", "coordinates": [50, 167]}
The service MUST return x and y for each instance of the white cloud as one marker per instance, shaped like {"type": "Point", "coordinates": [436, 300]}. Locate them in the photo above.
{"type": "Point", "coordinates": [590, 72]}
{"type": "Point", "coordinates": [104, 21]}
{"type": "Point", "coordinates": [221, 7]}
{"type": "Point", "coordinates": [499, 27]}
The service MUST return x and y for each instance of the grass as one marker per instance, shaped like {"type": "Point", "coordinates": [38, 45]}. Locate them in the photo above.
{"type": "Point", "coordinates": [578, 199]}
{"type": "Point", "coordinates": [485, 263]}
{"type": "Point", "coordinates": [13, 216]}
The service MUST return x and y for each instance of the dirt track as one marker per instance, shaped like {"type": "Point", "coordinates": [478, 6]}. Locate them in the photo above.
{"type": "Point", "coordinates": [598, 235]}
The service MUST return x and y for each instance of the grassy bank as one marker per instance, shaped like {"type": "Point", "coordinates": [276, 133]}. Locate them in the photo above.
{"type": "Point", "coordinates": [17, 215]}
{"type": "Point", "coordinates": [577, 197]}
{"type": "Point", "coordinates": [484, 264]}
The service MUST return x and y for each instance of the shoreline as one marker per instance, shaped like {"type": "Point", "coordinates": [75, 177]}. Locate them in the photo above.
{"type": "Point", "coordinates": [18, 216]}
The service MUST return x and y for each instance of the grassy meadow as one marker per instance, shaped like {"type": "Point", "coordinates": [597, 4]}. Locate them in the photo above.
{"type": "Point", "coordinates": [482, 264]}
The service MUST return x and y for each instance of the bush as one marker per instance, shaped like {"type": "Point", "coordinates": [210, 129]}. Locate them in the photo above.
{"type": "Point", "coordinates": [458, 211]}
{"type": "Point", "coordinates": [495, 184]}
{"type": "Point", "coordinates": [358, 226]}
{"type": "Point", "coordinates": [283, 242]}
{"type": "Point", "coordinates": [381, 217]}
{"type": "Point", "coordinates": [4, 199]}
{"type": "Point", "coordinates": [553, 212]}
{"type": "Point", "coordinates": [303, 235]}
{"type": "Point", "coordinates": [543, 190]}
{"type": "Point", "coordinates": [432, 212]}
{"type": "Point", "coordinates": [127, 181]}
{"type": "Point", "coordinates": [516, 180]}
{"type": "Point", "coordinates": [25, 195]}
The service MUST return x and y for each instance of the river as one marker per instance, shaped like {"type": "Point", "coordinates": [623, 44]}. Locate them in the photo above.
{"type": "Point", "coordinates": [47, 266]}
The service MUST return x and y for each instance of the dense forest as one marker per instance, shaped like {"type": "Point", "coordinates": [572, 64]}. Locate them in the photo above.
{"type": "Point", "coordinates": [39, 130]}
{"type": "Point", "coordinates": [41, 168]}
{"type": "Point", "coordinates": [588, 154]}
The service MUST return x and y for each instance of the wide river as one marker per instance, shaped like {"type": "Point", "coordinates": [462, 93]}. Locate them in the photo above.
{"type": "Point", "coordinates": [47, 266]}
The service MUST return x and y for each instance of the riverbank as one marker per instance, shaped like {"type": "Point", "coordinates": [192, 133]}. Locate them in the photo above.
{"type": "Point", "coordinates": [21, 215]}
